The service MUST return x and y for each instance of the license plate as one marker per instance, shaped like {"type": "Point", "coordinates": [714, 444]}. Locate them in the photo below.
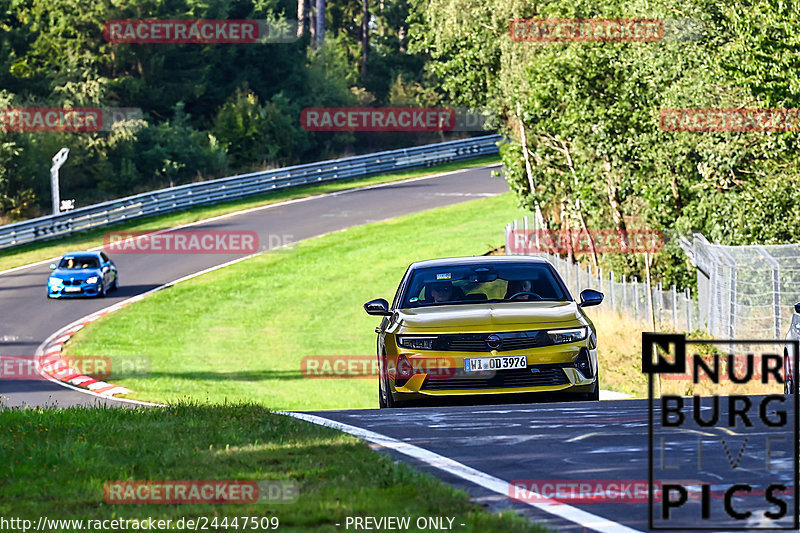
{"type": "Point", "coordinates": [477, 364]}
{"type": "Point", "coordinates": [72, 289]}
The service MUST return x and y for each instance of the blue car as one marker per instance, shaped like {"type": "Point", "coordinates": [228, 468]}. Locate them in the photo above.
{"type": "Point", "coordinates": [82, 274]}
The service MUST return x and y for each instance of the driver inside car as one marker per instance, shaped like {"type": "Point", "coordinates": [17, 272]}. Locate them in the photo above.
{"type": "Point", "coordinates": [515, 287]}
{"type": "Point", "coordinates": [443, 291]}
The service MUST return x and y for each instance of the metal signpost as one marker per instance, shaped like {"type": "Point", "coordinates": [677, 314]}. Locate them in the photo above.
{"type": "Point", "coordinates": [59, 159]}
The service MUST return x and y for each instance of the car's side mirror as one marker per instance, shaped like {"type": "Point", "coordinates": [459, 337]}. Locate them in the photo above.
{"type": "Point", "coordinates": [52, 266]}
{"type": "Point", "coordinates": [590, 297]}
{"type": "Point", "coordinates": [379, 307]}
{"type": "Point", "coordinates": [797, 307]}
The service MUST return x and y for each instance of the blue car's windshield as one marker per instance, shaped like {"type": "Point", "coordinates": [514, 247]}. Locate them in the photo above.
{"type": "Point", "coordinates": [78, 262]}
{"type": "Point", "coordinates": [483, 282]}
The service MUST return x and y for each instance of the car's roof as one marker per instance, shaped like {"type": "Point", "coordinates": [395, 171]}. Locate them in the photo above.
{"type": "Point", "coordinates": [462, 261]}
{"type": "Point", "coordinates": [81, 254]}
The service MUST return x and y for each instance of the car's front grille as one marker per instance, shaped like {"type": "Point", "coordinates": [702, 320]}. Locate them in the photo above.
{"type": "Point", "coordinates": [533, 376]}
{"type": "Point", "coordinates": [480, 342]}
{"type": "Point", "coordinates": [72, 282]}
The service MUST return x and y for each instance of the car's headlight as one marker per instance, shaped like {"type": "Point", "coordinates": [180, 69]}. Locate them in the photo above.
{"type": "Point", "coordinates": [416, 343]}
{"type": "Point", "coordinates": [563, 336]}
{"type": "Point", "coordinates": [54, 281]}
{"type": "Point", "coordinates": [92, 280]}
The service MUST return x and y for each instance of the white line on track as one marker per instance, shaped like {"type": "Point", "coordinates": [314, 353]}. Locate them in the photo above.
{"type": "Point", "coordinates": [118, 305]}
{"type": "Point", "coordinates": [482, 479]}
{"type": "Point", "coordinates": [260, 207]}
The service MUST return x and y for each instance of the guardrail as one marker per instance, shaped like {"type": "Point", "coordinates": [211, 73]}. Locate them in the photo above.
{"type": "Point", "coordinates": [241, 186]}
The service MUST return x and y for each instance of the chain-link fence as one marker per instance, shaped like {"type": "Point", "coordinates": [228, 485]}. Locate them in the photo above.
{"type": "Point", "coordinates": [746, 291]}
{"type": "Point", "coordinates": [673, 309]}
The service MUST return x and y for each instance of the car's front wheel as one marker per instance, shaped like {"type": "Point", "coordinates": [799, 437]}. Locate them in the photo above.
{"type": "Point", "coordinates": [594, 396]}
{"type": "Point", "coordinates": [386, 400]}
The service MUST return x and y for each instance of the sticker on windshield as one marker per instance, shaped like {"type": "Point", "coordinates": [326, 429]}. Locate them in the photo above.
{"type": "Point", "coordinates": [446, 275]}
{"type": "Point", "coordinates": [412, 300]}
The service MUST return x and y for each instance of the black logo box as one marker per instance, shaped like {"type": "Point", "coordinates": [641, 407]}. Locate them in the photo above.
{"type": "Point", "coordinates": [678, 366]}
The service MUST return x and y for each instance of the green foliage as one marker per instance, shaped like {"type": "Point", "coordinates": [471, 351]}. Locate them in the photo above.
{"type": "Point", "coordinates": [207, 109]}
{"type": "Point", "coordinates": [252, 132]}
{"type": "Point", "coordinates": [591, 115]}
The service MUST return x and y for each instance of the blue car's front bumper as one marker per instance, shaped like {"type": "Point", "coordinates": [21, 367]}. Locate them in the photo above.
{"type": "Point", "coordinates": [70, 291]}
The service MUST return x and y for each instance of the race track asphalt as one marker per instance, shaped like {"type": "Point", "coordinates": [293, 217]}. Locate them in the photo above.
{"type": "Point", "coordinates": [27, 317]}
{"type": "Point", "coordinates": [580, 442]}
{"type": "Point", "coordinates": [604, 447]}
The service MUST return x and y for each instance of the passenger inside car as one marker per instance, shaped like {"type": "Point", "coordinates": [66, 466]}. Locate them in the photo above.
{"type": "Point", "coordinates": [443, 291]}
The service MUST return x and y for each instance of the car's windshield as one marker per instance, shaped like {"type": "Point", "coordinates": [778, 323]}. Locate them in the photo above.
{"type": "Point", "coordinates": [77, 262]}
{"type": "Point", "coordinates": [472, 283]}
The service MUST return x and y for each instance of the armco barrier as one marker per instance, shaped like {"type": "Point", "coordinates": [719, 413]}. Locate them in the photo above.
{"type": "Point", "coordinates": [241, 186]}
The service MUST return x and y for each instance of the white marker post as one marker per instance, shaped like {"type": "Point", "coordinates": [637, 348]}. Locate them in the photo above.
{"type": "Point", "coordinates": [58, 160]}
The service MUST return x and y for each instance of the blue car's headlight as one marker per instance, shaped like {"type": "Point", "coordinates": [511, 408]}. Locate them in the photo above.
{"type": "Point", "coordinates": [92, 280]}
{"type": "Point", "coordinates": [55, 282]}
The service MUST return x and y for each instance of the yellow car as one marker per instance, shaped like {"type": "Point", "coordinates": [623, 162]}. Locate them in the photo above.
{"type": "Point", "coordinates": [485, 325]}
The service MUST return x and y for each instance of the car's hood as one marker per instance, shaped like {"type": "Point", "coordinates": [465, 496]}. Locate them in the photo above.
{"type": "Point", "coordinates": [533, 314]}
{"type": "Point", "coordinates": [76, 273]}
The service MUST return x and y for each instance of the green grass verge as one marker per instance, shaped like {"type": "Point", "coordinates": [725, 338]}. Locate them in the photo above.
{"type": "Point", "coordinates": [56, 463]}
{"type": "Point", "coordinates": [240, 333]}
{"type": "Point", "coordinates": [40, 251]}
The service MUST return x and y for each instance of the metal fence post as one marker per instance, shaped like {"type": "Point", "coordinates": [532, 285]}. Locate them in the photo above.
{"type": "Point", "coordinates": [636, 296]}
{"type": "Point", "coordinates": [600, 279]}
{"type": "Point", "coordinates": [776, 290]}
{"type": "Point", "coordinates": [660, 305]}
{"type": "Point", "coordinates": [624, 291]}
{"type": "Point", "coordinates": [674, 309]}
{"type": "Point", "coordinates": [688, 309]}
{"type": "Point", "coordinates": [611, 288]}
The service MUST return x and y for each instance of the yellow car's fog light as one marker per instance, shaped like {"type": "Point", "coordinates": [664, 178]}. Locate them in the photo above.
{"type": "Point", "coordinates": [583, 364]}
{"type": "Point", "coordinates": [404, 368]}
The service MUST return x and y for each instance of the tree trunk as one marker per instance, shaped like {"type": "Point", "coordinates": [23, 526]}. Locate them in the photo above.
{"type": "Point", "coordinates": [301, 18]}
{"type": "Point", "coordinates": [523, 138]}
{"type": "Point", "coordinates": [616, 210]}
{"type": "Point", "coordinates": [364, 38]}
{"type": "Point", "coordinates": [320, 15]}
{"type": "Point", "coordinates": [312, 21]}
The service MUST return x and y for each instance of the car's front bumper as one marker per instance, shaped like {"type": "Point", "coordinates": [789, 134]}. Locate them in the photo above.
{"type": "Point", "coordinates": [84, 290]}
{"type": "Point", "coordinates": [551, 369]}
